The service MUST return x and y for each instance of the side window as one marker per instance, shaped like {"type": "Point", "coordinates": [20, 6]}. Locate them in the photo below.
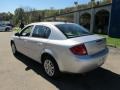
{"type": "Point", "coordinates": [47, 32]}
{"type": "Point", "coordinates": [26, 32]}
{"type": "Point", "coordinates": [41, 32]}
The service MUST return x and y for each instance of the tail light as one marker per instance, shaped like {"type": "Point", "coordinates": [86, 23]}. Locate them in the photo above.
{"type": "Point", "coordinates": [79, 50]}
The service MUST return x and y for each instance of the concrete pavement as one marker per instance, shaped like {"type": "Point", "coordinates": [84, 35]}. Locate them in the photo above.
{"type": "Point", "coordinates": [21, 73]}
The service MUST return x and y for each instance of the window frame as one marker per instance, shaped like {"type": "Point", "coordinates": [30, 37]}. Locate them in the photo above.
{"type": "Point", "coordinates": [32, 26]}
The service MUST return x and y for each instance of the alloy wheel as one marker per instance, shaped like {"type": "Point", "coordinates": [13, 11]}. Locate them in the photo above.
{"type": "Point", "coordinates": [49, 67]}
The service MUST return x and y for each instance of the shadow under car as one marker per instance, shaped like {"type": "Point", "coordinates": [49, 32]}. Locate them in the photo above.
{"type": "Point", "coordinates": [98, 79]}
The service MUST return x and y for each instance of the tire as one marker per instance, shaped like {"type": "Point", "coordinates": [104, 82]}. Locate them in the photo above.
{"type": "Point", "coordinates": [50, 67]}
{"type": "Point", "coordinates": [14, 50]}
{"type": "Point", "coordinates": [7, 29]}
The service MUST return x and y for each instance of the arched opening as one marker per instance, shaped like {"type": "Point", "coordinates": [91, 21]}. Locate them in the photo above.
{"type": "Point", "coordinates": [102, 22]}
{"type": "Point", "coordinates": [85, 20]}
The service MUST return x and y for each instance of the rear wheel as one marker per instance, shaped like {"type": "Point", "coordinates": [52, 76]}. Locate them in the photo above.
{"type": "Point", "coordinates": [13, 48]}
{"type": "Point", "coordinates": [51, 67]}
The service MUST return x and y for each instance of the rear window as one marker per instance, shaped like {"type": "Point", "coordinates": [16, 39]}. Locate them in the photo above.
{"type": "Point", "coordinates": [41, 32]}
{"type": "Point", "coordinates": [72, 30]}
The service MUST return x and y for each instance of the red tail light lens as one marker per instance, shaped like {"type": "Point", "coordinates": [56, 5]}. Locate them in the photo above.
{"type": "Point", "coordinates": [79, 50]}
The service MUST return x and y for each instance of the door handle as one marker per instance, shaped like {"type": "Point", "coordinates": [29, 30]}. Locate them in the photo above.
{"type": "Point", "coordinates": [40, 43]}
{"type": "Point", "coordinates": [21, 38]}
{"type": "Point", "coordinates": [25, 40]}
{"type": "Point", "coordinates": [33, 41]}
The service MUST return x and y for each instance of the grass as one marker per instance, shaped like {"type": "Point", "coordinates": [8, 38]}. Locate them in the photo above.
{"type": "Point", "coordinates": [16, 29]}
{"type": "Point", "coordinates": [115, 42]}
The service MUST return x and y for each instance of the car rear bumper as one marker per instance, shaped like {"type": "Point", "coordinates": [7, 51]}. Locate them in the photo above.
{"type": "Point", "coordinates": [86, 63]}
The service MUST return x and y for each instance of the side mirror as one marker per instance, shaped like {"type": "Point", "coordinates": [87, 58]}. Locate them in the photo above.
{"type": "Point", "coordinates": [17, 34]}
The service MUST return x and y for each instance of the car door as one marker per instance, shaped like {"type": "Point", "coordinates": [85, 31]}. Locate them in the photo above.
{"type": "Point", "coordinates": [20, 41]}
{"type": "Point", "coordinates": [37, 41]}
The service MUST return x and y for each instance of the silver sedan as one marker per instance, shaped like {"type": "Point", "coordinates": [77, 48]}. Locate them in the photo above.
{"type": "Point", "coordinates": [61, 47]}
{"type": "Point", "coordinates": [5, 28]}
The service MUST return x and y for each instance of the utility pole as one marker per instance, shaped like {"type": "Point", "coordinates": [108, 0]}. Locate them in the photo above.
{"type": "Point", "coordinates": [76, 5]}
{"type": "Point", "coordinates": [92, 16]}
{"type": "Point", "coordinates": [76, 14]}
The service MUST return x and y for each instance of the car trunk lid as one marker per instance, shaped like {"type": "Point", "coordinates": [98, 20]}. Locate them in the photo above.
{"type": "Point", "coordinates": [93, 43]}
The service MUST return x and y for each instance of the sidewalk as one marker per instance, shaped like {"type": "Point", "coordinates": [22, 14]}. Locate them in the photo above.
{"type": "Point", "coordinates": [113, 60]}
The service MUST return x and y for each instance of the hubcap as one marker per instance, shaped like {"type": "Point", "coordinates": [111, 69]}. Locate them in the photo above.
{"type": "Point", "coordinates": [49, 67]}
{"type": "Point", "coordinates": [13, 49]}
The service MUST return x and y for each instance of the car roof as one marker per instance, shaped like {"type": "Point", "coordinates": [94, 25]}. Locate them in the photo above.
{"type": "Point", "coordinates": [49, 23]}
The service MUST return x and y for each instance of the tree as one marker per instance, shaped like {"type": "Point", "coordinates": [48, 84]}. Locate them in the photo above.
{"type": "Point", "coordinates": [19, 15]}
{"type": "Point", "coordinates": [6, 16]}
{"type": "Point", "coordinates": [106, 1]}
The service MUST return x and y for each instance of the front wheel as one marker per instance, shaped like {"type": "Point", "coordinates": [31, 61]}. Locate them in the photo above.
{"type": "Point", "coordinates": [51, 67]}
{"type": "Point", "coordinates": [13, 48]}
{"type": "Point", "coordinates": [7, 29]}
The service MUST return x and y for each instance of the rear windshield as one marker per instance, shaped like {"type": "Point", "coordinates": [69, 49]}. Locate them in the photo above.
{"type": "Point", "coordinates": [72, 30]}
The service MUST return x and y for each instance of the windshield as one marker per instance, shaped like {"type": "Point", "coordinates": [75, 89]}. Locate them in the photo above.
{"type": "Point", "coordinates": [72, 30]}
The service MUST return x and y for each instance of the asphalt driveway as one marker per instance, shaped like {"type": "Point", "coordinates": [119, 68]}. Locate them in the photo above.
{"type": "Point", "coordinates": [21, 73]}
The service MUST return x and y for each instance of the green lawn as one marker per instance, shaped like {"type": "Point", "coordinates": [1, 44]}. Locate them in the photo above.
{"type": "Point", "coordinates": [112, 41]}
{"type": "Point", "coordinates": [16, 29]}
